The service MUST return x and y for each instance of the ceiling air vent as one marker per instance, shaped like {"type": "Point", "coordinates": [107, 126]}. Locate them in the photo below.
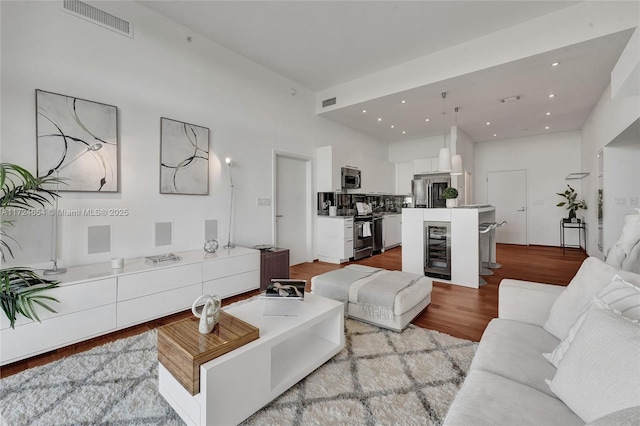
{"type": "Point", "coordinates": [328, 102]}
{"type": "Point", "coordinates": [98, 17]}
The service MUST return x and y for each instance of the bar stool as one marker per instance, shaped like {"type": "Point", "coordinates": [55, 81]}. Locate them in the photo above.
{"type": "Point", "coordinates": [483, 228]}
{"type": "Point", "coordinates": [492, 236]}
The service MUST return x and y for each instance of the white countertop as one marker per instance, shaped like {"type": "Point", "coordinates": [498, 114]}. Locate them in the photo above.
{"type": "Point", "coordinates": [134, 265]}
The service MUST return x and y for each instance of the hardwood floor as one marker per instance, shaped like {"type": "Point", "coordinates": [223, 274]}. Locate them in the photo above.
{"type": "Point", "coordinates": [460, 311]}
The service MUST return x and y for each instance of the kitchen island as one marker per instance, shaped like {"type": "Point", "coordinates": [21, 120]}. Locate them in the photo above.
{"type": "Point", "coordinates": [463, 223]}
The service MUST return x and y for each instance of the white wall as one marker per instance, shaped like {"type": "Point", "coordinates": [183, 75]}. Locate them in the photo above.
{"type": "Point", "coordinates": [609, 118]}
{"type": "Point", "coordinates": [403, 151]}
{"type": "Point", "coordinates": [548, 159]}
{"type": "Point", "coordinates": [158, 73]}
{"type": "Point", "coordinates": [621, 177]}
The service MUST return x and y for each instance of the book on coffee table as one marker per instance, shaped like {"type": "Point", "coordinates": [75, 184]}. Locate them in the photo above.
{"type": "Point", "coordinates": [284, 297]}
{"type": "Point", "coordinates": [286, 289]}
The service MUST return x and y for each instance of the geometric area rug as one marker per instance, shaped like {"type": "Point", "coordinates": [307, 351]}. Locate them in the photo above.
{"type": "Point", "coordinates": [381, 377]}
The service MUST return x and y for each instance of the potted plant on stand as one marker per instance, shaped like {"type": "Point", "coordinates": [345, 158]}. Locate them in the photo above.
{"type": "Point", "coordinates": [21, 288]}
{"type": "Point", "coordinates": [451, 195]}
{"type": "Point", "coordinates": [571, 203]}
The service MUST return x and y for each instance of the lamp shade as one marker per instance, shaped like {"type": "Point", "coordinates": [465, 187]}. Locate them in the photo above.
{"type": "Point", "coordinates": [444, 160]}
{"type": "Point", "coordinates": [456, 165]}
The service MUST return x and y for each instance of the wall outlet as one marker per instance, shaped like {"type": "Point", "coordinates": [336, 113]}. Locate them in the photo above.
{"type": "Point", "coordinates": [633, 201]}
{"type": "Point", "coordinates": [266, 202]}
{"type": "Point", "coordinates": [620, 201]}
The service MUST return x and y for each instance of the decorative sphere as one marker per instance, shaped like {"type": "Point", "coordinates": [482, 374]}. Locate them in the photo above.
{"type": "Point", "coordinates": [211, 246]}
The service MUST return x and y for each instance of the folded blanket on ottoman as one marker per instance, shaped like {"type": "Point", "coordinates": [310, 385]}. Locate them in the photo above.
{"type": "Point", "coordinates": [378, 295]}
{"type": "Point", "coordinates": [335, 284]}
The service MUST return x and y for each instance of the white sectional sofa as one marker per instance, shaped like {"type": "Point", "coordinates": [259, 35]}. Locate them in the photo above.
{"type": "Point", "coordinates": [597, 378]}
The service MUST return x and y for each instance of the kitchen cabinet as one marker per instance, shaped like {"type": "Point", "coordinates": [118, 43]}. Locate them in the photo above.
{"type": "Point", "coordinates": [392, 225]}
{"type": "Point", "coordinates": [404, 176]}
{"type": "Point", "coordinates": [426, 165]}
{"type": "Point", "coordinates": [330, 161]}
{"type": "Point", "coordinates": [378, 175]}
{"type": "Point", "coordinates": [335, 239]}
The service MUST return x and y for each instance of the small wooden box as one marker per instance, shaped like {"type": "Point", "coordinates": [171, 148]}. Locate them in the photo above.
{"type": "Point", "coordinates": [182, 349]}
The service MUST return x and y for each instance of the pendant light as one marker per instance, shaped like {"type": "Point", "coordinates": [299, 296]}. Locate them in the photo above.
{"type": "Point", "coordinates": [444, 159]}
{"type": "Point", "coordinates": [456, 160]}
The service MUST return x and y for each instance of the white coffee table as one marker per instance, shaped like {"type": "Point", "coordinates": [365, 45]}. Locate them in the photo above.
{"type": "Point", "coordinates": [239, 383]}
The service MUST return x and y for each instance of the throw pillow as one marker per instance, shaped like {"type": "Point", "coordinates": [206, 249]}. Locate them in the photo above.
{"type": "Point", "coordinates": [632, 262]}
{"type": "Point", "coordinates": [618, 295]}
{"type": "Point", "coordinates": [599, 374]}
{"type": "Point", "coordinates": [592, 276]}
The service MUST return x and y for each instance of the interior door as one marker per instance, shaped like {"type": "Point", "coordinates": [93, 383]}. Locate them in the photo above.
{"type": "Point", "coordinates": [291, 207]}
{"type": "Point", "coordinates": [507, 192]}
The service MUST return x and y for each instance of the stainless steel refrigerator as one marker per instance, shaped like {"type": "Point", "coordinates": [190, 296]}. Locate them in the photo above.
{"type": "Point", "coordinates": [427, 191]}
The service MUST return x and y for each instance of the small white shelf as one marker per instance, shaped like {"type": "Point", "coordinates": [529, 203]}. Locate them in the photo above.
{"type": "Point", "coordinates": [577, 176]}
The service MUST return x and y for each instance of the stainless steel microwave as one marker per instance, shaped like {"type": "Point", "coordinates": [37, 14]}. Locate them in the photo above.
{"type": "Point", "coordinates": [350, 178]}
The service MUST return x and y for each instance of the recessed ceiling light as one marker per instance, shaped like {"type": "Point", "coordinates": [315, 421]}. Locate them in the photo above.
{"type": "Point", "coordinates": [552, 95]}
{"type": "Point", "coordinates": [393, 127]}
{"type": "Point", "coordinates": [548, 113]}
{"type": "Point", "coordinates": [404, 102]}
{"type": "Point", "coordinates": [495, 134]}
{"type": "Point", "coordinates": [555, 64]}
{"type": "Point", "coordinates": [426, 119]}
{"type": "Point", "coordinates": [403, 132]}
{"type": "Point", "coordinates": [379, 119]}
{"type": "Point", "coordinates": [546, 127]}
{"type": "Point", "coordinates": [364, 111]}
{"type": "Point", "coordinates": [488, 123]}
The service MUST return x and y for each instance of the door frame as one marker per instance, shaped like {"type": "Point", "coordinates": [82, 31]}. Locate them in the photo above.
{"type": "Point", "coordinates": [308, 202]}
{"type": "Point", "coordinates": [526, 198]}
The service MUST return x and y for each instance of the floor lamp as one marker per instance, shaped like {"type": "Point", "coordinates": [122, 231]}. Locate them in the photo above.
{"type": "Point", "coordinates": [230, 245]}
{"type": "Point", "coordinates": [55, 270]}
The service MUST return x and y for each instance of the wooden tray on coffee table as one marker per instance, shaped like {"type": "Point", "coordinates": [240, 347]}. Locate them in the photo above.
{"type": "Point", "coordinates": [182, 349]}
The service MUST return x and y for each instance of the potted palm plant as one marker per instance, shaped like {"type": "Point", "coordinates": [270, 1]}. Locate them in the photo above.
{"type": "Point", "coordinates": [21, 289]}
{"type": "Point", "coordinates": [451, 195]}
{"type": "Point", "coordinates": [571, 203]}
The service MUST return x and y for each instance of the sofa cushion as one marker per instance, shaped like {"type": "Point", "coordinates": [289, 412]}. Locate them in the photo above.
{"type": "Point", "coordinates": [619, 295]}
{"type": "Point", "coordinates": [492, 400]}
{"type": "Point", "coordinates": [514, 349]}
{"type": "Point", "coordinates": [599, 374]}
{"type": "Point", "coordinates": [626, 417]}
{"type": "Point", "coordinates": [592, 276]}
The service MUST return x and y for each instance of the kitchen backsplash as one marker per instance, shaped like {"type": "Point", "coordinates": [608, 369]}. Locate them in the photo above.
{"type": "Point", "coordinates": [346, 203]}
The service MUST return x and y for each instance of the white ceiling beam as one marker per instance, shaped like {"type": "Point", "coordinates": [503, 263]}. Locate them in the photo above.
{"type": "Point", "coordinates": [582, 22]}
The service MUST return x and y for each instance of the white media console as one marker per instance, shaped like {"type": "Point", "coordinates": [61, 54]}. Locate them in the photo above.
{"type": "Point", "coordinates": [96, 300]}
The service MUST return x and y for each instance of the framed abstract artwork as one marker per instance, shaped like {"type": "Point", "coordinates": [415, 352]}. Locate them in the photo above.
{"type": "Point", "coordinates": [184, 158]}
{"type": "Point", "coordinates": [77, 139]}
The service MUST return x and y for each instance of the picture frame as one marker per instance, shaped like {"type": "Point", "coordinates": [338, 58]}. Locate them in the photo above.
{"type": "Point", "coordinates": [184, 158]}
{"type": "Point", "coordinates": [77, 140]}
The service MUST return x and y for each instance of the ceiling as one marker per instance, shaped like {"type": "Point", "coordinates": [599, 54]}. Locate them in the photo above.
{"type": "Point", "coordinates": [320, 44]}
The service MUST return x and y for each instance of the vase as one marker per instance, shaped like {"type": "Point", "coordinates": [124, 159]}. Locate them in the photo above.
{"type": "Point", "coordinates": [452, 202]}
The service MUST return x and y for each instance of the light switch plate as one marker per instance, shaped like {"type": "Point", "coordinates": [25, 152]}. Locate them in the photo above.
{"type": "Point", "coordinates": [633, 201]}
{"type": "Point", "coordinates": [266, 202]}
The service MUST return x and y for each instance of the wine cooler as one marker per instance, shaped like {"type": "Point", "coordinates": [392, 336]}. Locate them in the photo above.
{"type": "Point", "coordinates": [437, 250]}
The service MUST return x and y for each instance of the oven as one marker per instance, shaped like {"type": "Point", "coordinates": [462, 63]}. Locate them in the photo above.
{"type": "Point", "coordinates": [362, 237]}
{"type": "Point", "coordinates": [437, 250]}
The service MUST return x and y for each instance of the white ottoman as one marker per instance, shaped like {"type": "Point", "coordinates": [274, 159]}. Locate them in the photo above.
{"type": "Point", "coordinates": [408, 302]}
